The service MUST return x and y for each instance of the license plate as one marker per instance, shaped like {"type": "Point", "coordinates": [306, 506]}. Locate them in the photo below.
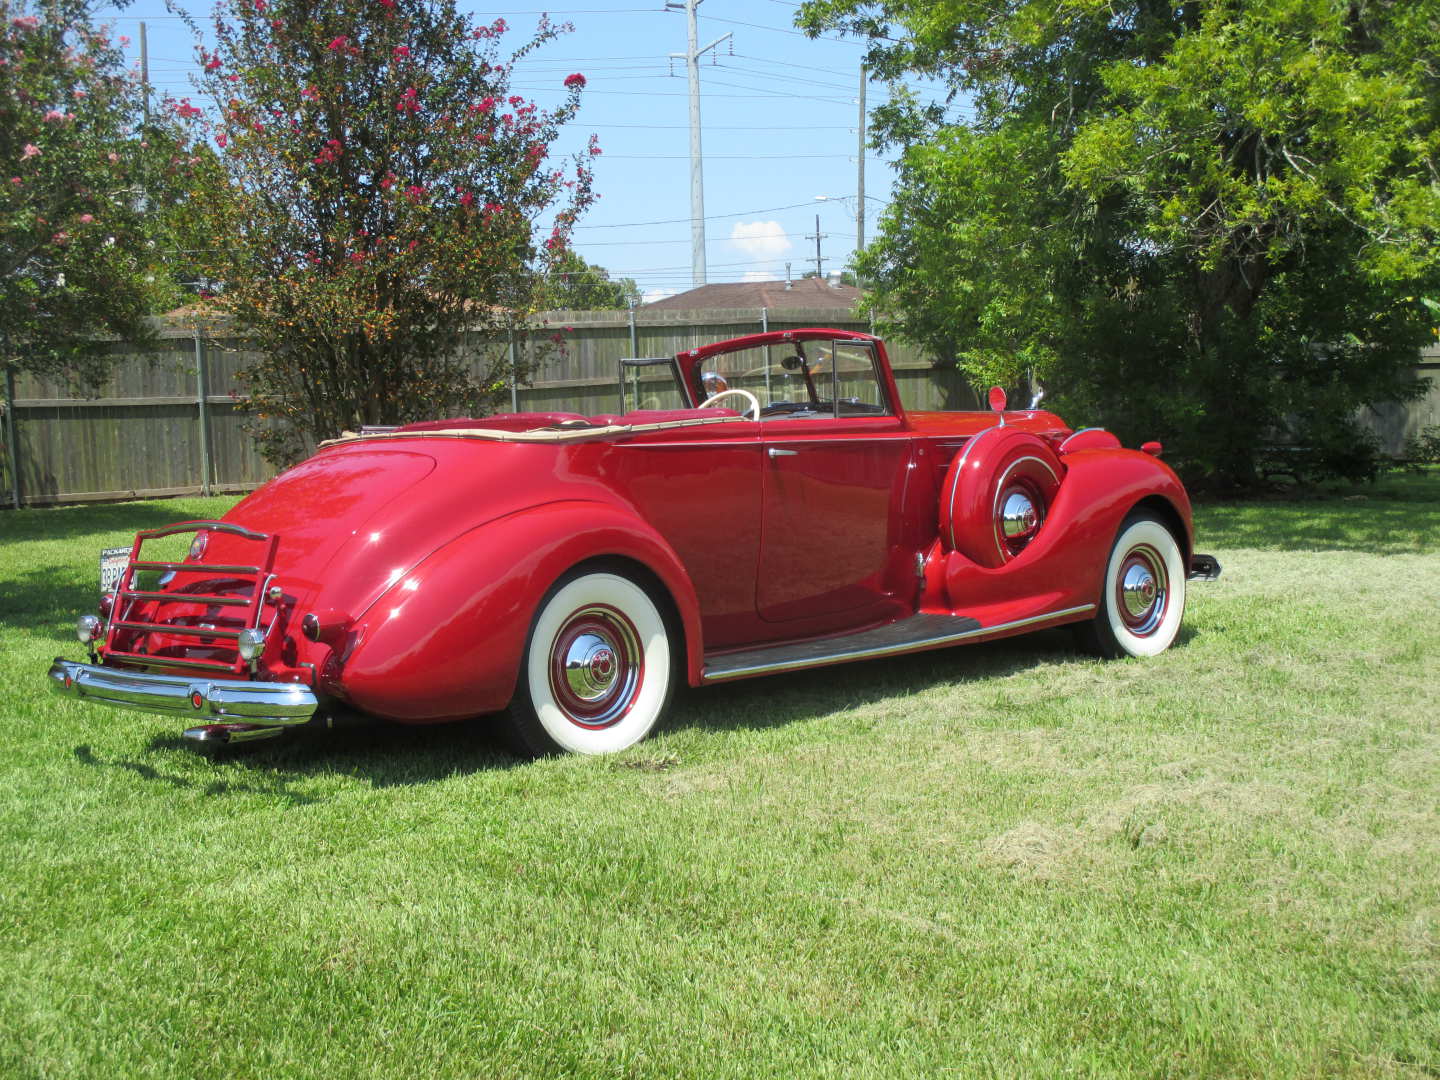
{"type": "Point", "coordinates": [112, 564]}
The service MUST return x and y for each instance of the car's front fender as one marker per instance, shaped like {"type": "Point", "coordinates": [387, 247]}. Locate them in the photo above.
{"type": "Point", "coordinates": [445, 640]}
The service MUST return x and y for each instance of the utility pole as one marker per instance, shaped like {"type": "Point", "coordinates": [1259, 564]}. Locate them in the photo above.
{"type": "Point", "coordinates": [145, 72]}
{"type": "Point", "coordinates": [860, 180]}
{"type": "Point", "coordinates": [819, 268]}
{"type": "Point", "coordinates": [697, 171]}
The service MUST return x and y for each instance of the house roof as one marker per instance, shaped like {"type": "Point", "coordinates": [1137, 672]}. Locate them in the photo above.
{"type": "Point", "coordinates": [802, 293]}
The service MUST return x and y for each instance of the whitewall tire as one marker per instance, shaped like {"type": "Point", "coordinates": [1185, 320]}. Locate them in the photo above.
{"type": "Point", "coordinates": [598, 668]}
{"type": "Point", "coordinates": [1143, 596]}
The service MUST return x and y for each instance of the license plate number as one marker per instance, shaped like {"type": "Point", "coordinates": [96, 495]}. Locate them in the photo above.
{"type": "Point", "coordinates": [112, 564]}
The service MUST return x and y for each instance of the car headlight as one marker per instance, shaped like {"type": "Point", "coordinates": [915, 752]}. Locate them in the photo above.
{"type": "Point", "coordinates": [87, 628]}
{"type": "Point", "coordinates": [251, 644]}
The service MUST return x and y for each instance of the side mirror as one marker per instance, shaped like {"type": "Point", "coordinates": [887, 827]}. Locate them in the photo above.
{"type": "Point", "coordinates": [792, 363]}
{"type": "Point", "coordinates": [997, 398]}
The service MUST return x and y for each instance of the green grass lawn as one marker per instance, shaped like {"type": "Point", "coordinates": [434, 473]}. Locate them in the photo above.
{"type": "Point", "coordinates": [1004, 859]}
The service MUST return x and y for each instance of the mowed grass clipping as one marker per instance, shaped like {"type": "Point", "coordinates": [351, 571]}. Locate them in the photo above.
{"type": "Point", "coordinates": [1003, 859]}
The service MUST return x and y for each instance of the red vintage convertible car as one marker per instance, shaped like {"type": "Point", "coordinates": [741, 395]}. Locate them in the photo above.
{"type": "Point", "coordinates": [777, 509]}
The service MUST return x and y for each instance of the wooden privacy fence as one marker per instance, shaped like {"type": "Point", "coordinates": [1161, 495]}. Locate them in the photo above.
{"type": "Point", "coordinates": [170, 422]}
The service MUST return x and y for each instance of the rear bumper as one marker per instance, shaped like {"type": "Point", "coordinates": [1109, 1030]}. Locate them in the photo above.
{"type": "Point", "coordinates": [235, 700]}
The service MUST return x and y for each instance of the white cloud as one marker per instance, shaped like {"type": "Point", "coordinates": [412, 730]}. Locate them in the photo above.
{"type": "Point", "coordinates": [649, 296]}
{"type": "Point", "coordinates": [759, 275]}
{"type": "Point", "coordinates": [760, 239]}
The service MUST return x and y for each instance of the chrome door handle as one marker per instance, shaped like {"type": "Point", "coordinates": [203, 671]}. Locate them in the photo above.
{"type": "Point", "coordinates": [773, 452]}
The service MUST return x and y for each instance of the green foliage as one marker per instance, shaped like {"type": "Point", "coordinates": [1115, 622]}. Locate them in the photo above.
{"type": "Point", "coordinates": [84, 193]}
{"type": "Point", "coordinates": [1207, 223]}
{"type": "Point", "coordinates": [1424, 448]}
{"type": "Point", "coordinates": [381, 191]}
{"type": "Point", "coordinates": [576, 285]}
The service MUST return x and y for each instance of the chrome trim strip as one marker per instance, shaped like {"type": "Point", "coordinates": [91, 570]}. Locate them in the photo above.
{"type": "Point", "coordinates": [188, 598]}
{"type": "Point", "coordinates": [183, 631]}
{"type": "Point", "coordinates": [892, 650]}
{"type": "Point", "coordinates": [222, 668]}
{"type": "Point", "coordinates": [202, 526]}
{"type": "Point", "coordinates": [196, 568]}
{"type": "Point", "coordinates": [220, 699]}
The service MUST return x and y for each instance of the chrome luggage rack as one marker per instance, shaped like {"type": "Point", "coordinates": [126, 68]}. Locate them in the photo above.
{"type": "Point", "coordinates": [124, 598]}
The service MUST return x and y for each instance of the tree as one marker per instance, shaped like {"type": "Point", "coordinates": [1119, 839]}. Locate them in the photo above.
{"type": "Point", "coordinates": [384, 193]}
{"type": "Point", "coordinates": [82, 193]}
{"type": "Point", "coordinates": [1211, 222]}
{"type": "Point", "coordinates": [576, 285]}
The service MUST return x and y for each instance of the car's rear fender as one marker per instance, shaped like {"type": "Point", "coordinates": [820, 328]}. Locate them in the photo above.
{"type": "Point", "coordinates": [1063, 566]}
{"type": "Point", "coordinates": [445, 640]}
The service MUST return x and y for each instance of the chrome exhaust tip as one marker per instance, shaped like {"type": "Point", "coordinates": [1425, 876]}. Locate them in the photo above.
{"type": "Point", "coordinates": [212, 735]}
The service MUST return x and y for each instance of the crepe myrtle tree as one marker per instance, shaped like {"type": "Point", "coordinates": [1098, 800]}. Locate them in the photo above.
{"type": "Point", "coordinates": [384, 194]}
{"type": "Point", "coordinates": [83, 193]}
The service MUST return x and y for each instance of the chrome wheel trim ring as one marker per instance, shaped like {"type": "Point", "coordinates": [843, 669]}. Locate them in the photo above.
{"type": "Point", "coordinates": [1142, 590]}
{"type": "Point", "coordinates": [596, 666]}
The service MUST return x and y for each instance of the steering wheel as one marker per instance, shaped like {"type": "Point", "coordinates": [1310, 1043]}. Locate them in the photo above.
{"type": "Point", "coordinates": [750, 399]}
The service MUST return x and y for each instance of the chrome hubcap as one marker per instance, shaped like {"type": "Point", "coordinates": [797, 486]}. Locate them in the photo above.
{"type": "Point", "coordinates": [596, 666]}
{"type": "Point", "coordinates": [590, 666]}
{"type": "Point", "coordinates": [1143, 590]}
{"type": "Point", "coordinates": [1018, 516]}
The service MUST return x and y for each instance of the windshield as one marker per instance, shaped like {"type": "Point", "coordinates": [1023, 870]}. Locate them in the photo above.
{"type": "Point", "coordinates": [652, 383]}
{"type": "Point", "coordinates": [800, 378]}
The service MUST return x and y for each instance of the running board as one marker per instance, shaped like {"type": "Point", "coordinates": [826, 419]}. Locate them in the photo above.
{"type": "Point", "coordinates": [905, 635]}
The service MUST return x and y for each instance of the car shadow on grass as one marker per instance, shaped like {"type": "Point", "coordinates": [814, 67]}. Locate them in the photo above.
{"type": "Point", "coordinates": [776, 700]}
{"type": "Point", "coordinates": [387, 755]}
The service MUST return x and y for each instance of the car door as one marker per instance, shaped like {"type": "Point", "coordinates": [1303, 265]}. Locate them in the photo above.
{"type": "Point", "coordinates": [833, 485]}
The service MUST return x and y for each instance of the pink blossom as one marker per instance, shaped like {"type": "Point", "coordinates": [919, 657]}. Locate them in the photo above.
{"type": "Point", "coordinates": [387, 181]}
{"type": "Point", "coordinates": [86, 219]}
{"type": "Point", "coordinates": [311, 93]}
{"type": "Point", "coordinates": [338, 45]}
{"type": "Point", "coordinates": [26, 22]}
{"type": "Point", "coordinates": [54, 116]}
{"type": "Point", "coordinates": [415, 192]}
{"type": "Point", "coordinates": [221, 140]}
{"type": "Point", "coordinates": [357, 256]}
{"type": "Point", "coordinates": [113, 157]}
{"type": "Point", "coordinates": [213, 64]}
{"type": "Point", "coordinates": [409, 101]}
{"type": "Point", "coordinates": [124, 40]}
{"type": "Point", "coordinates": [495, 29]}
{"type": "Point", "coordinates": [402, 51]}
{"type": "Point", "coordinates": [62, 237]}
{"type": "Point", "coordinates": [486, 104]}
{"type": "Point", "coordinates": [260, 5]}
{"type": "Point", "coordinates": [412, 245]}
{"type": "Point", "coordinates": [467, 200]}
{"type": "Point", "coordinates": [30, 151]}
{"type": "Point", "coordinates": [575, 81]}
{"type": "Point", "coordinates": [16, 181]}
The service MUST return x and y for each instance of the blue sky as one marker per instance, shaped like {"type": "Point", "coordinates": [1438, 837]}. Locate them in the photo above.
{"type": "Point", "coordinates": [779, 115]}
